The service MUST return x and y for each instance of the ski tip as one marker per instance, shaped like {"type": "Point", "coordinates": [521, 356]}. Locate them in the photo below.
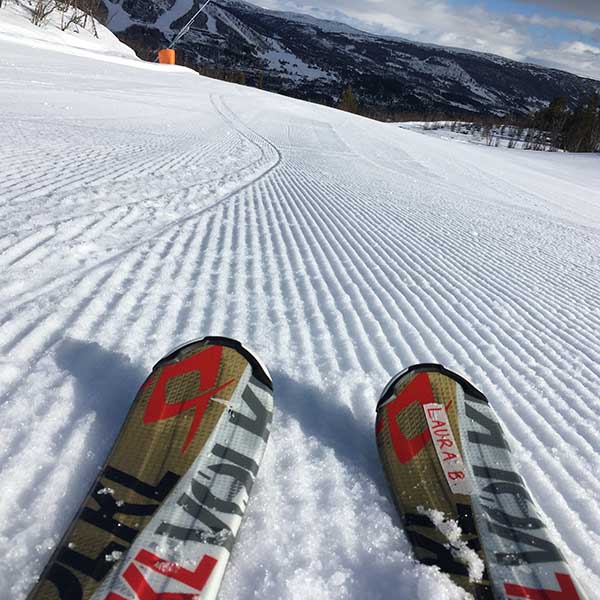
{"type": "Point", "coordinates": [388, 390]}
{"type": "Point", "coordinates": [259, 369]}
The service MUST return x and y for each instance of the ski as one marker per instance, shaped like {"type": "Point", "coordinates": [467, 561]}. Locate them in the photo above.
{"type": "Point", "coordinates": [161, 519]}
{"type": "Point", "coordinates": [464, 507]}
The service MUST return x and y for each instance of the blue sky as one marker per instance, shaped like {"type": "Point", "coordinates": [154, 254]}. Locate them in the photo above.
{"type": "Point", "coordinates": [555, 33]}
{"type": "Point", "coordinates": [508, 6]}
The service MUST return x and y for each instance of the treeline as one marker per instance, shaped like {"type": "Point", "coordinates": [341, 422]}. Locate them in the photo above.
{"type": "Point", "coordinates": [556, 127]}
{"type": "Point", "coordinates": [550, 129]}
{"type": "Point", "coordinates": [231, 75]}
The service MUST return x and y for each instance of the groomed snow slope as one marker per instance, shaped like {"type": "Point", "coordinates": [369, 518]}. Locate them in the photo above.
{"type": "Point", "coordinates": [140, 208]}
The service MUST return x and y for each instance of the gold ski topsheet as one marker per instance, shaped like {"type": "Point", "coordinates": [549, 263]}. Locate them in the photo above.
{"type": "Point", "coordinates": [463, 506]}
{"type": "Point", "coordinates": [161, 519]}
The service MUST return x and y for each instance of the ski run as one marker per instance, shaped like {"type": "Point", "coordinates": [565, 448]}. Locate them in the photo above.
{"type": "Point", "coordinates": [142, 206]}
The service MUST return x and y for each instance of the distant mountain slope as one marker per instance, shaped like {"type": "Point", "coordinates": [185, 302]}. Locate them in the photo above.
{"type": "Point", "coordinates": [315, 59]}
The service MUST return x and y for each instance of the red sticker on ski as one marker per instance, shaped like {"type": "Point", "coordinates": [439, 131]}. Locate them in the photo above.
{"type": "Point", "coordinates": [143, 590]}
{"type": "Point", "coordinates": [567, 591]}
{"type": "Point", "coordinates": [206, 365]}
{"type": "Point", "coordinates": [419, 391]}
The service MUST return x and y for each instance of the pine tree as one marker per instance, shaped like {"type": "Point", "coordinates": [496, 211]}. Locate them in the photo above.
{"type": "Point", "coordinates": [348, 101]}
{"type": "Point", "coordinates": [581, 127]}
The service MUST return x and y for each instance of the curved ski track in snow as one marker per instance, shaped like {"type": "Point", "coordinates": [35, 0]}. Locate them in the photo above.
{"type": "Point", "coordinates": [341, 250]}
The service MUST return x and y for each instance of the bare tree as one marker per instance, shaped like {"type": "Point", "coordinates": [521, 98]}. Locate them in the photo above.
{"type": "Point", "coordinates": [78, 13]}
{"type": "Point", "coordinates": [515, 136]}
{"type": "Point", "coordinates": [71, 15]}
{"type": "Point", "coordinates": [91, 9]}
{"type": "Point", "coordinates": [41, 11]}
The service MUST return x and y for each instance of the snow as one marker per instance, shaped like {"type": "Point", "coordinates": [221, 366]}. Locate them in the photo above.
{"type": "Point", "coordinates": [281, 59]}
{"type": "Point", "coordinates": [179, 9]}
{"type": "Point", "coordinates": [15, 28]}
{"type": "Point", "coordinates": [325, 25]}
{"type": "Point", "coordinates": [211, 23]}
{"type": "Point", "coordinates": [118, 18]}
{"type": "Point", "coordinates": [448, 69]}
{"type": "Point", "coordinates": [451, 530]}
{"type": "Point", "coordinates": [243, 30]}
{"type": "Point", "coordinates": [143, 205]}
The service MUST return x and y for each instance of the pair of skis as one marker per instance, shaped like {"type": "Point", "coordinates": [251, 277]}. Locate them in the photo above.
{"type": "Point", "coordinates": [162, 517]}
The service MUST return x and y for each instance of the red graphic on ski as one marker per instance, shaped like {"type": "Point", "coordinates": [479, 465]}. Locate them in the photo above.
{"type": "Point", "coordinates": [135, 579]}
{"type": "Point", "coordinates": [206, 364]}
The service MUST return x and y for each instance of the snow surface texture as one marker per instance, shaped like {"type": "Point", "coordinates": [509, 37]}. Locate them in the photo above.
{"type": "Point", "coordinates": [142, 207]}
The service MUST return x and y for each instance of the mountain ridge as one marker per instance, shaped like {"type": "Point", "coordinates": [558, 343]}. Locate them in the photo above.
{"type": "Point", "coordinates": [315, 59]}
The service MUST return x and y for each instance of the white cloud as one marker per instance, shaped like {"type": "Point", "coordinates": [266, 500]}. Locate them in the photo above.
{"type": "Point", "coordinates": [587, 8]}
{"type": "Point", "coordinates": [577, 57]}
{"type": "Point", "coordinates": [581, 49]}
{"type": "Point", "coordinates": [581, 26]}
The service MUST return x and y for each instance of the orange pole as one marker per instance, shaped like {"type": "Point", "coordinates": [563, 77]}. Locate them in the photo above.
{"type": "Point", "coordinates": [166, 56]}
